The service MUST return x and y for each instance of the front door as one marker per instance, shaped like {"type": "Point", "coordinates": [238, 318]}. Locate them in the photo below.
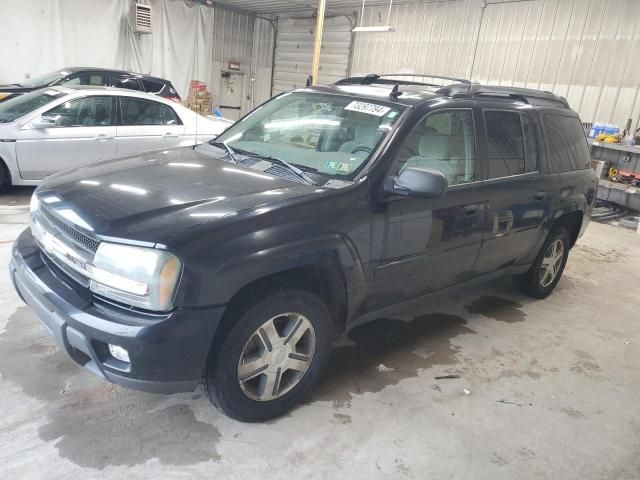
{"type": "Point", "coordinates": [517, 197]}
{"type": "Point", "coordinates": [84, 132]}
{"type": "Point", "coordinates": [146, 126]}
{"type": "Point", "coordinates": [429, 244]}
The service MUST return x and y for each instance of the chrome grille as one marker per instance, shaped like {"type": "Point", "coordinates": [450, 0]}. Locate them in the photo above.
{"type": "Point", "coordinates": [72, 233]}
{"type": "Point", "coordinates": [70, 272]}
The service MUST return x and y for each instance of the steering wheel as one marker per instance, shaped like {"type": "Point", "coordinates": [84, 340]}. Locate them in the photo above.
{"type": "Point", "coordinates": [361, 148]}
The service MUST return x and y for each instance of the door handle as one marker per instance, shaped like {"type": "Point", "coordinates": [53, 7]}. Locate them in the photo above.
{"type": "Point", "coordinates": [471, 209]}
{"type": "Point", "coordinates": [539, 195]}
{"type": "Point", "coordinates": [102, 137]}
{"type": "Point", "coordinates": [170, 135]}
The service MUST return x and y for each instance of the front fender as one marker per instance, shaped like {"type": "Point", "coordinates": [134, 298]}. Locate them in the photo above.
{"type": "Point", "coordinates": [231, 276]}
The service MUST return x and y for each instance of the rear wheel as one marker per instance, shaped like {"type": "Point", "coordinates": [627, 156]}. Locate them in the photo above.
{"type": "Point", "coordinates": [271, 357]}
{"type": "Point", "coordinates": [546, 271]}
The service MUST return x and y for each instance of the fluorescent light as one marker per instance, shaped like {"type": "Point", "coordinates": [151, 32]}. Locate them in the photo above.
{"type": "Point", "coordinates": [188, 165]}
{"type": "Point", "coordinates": [90, 182]}
{"type": "Point", "coordinates": [302, 122]}
{"type": "Point", "coordinates": [128, 189]}
{"type": "Point", "coordinates": [381, 28]}
{"type": "Point", "coordinates": [244, 172]}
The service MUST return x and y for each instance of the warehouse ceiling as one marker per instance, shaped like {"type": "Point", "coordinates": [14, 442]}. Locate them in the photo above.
{"type": "Point", "coordinates": [280, 6]}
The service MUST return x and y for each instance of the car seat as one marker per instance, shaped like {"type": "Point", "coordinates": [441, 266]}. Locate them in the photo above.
{"type": "Point", "coordinates": [365, 135]}
{"type": "Point", "coordinates": [438, 152]}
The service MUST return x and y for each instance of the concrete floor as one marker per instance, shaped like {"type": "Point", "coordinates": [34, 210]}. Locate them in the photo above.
{"type": "Point", "coordinates": [570, 364]}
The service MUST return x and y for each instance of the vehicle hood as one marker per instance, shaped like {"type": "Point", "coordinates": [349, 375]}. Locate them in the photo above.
{"type": "Point", "coordinates": [147, 198]}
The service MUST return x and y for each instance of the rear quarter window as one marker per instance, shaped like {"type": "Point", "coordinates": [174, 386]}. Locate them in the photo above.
{"type": "Point", "coordinates": [152, 86]}
{"type": "Point", "coordinates": [566, 143]}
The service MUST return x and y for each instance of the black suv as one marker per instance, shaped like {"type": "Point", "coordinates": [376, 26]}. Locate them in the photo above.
{"type": "Point", "coordinates": [93, 76]}
{"type": "Point", "coordinates": [238, 262]}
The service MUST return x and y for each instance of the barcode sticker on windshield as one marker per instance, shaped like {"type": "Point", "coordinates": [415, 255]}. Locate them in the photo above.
{"type": "Point", "coordinates": [368, 108]}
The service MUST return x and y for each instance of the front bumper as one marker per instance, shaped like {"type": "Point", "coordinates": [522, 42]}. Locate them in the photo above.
{"type": "Point", "coordinates": [167, 352]}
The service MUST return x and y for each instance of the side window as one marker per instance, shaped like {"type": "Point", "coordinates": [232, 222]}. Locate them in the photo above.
{"type": "Point", "coordinates": [83, 112]}
{"type": "Point", "coordinates": [120, 81]}
{"type": "Point", "coordinates": [152, 86]}
{"type": "Point", "coordinates": [84, 79]}
{"type": "Point", "coordinates": [443, 141]}
{"type": "Point", "coordinates": [566, 143]}
{"type": "Point", "coordinates": [141, 112]}
{"type": "Point", "coordinates": [531, 144]}
{"type": "Point", "coordinates": [169, 116]}
{"type": "Point", "coordinates": [505, 143]}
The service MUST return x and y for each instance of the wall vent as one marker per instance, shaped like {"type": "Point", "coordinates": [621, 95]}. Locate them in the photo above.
{"type": "Point", "coordinates": [141, 18]}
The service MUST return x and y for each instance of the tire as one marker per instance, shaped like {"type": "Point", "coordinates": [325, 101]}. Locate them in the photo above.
{"type": "Point", "coordinates": [4, 176]}
{"type": "Point", "coordinates": [539, 281]}
{"type": "Point", "coordinates": [236, 379]}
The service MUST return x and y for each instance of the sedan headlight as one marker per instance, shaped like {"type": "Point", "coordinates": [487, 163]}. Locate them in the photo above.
{"type": "Point", "coordinates": [138, 276]}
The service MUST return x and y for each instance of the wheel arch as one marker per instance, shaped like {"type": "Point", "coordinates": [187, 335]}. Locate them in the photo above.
{"type": "Point", "coordinates": [328, 267]}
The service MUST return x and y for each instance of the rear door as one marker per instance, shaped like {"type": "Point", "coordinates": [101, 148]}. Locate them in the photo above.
{"type": "Point", "coordinates": [422, 245]}
{"type": "Point", "coordinates": [145, 125]}
{"type": "Point", "coordinates": [84, 132]}
{"type": "Point", "coordinates": [516, 198]}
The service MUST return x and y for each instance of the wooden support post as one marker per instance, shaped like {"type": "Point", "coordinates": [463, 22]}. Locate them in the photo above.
{"type": "Point", "coordinates": [315, 63]}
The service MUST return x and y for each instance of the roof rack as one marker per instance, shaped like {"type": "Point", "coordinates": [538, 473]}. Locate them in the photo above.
{"type": "Point", "coordinates": [525, 95]}
{"type": "Point", "coordinates": [385, 78]}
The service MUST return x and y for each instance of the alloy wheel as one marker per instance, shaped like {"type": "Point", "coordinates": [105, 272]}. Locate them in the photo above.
{"type": "Point", "coordinates": [551, 263]}
{"type": "Point", "coordinates": [276, 356]}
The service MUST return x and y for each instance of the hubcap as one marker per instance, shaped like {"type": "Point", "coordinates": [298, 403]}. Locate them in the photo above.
{"type": "Point", "coordinates": [551, 263]}
{"type": "Point", "coordinates": [276, 356]}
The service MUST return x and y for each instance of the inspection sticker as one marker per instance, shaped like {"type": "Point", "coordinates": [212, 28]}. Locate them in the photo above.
{"type": "Point", "coordinates": [368, 108]}
{"type": "Point", "coordinates": [339, 166]}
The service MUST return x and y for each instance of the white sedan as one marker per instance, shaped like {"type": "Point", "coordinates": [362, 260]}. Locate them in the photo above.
{"type": "Point", "coordinates": [55, 128]}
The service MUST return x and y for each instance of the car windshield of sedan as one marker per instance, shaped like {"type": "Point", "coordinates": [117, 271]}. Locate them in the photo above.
{"type": "Point", "coordinates": [327, 134]}
{"type": "Point", "coordinates": [16, 107]}
{"type": "Point", "coordinates": [44, 80]}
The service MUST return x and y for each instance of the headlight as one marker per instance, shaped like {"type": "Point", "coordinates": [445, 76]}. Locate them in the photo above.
{"type": "Point", "coordinates": [34, 204]}
{"type": "Point", "coordinates": [138, 276]}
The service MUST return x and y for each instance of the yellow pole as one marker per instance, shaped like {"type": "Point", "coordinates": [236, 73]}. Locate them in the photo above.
{"type": "Point", "coordinates": [315, 63]}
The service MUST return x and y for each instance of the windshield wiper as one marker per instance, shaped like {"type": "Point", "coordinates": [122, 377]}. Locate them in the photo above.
{"type": "Point", "coordinates": [297, 171]}
{"type": "Point", "coordinates": [228, 149]}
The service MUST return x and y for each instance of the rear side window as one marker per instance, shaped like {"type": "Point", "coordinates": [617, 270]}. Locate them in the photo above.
{"type": "Point", "coordinates": [85, 79]}
{"type": "Point", "coordinates": [531, 145]}
{"type": "Point", "coordinates": [145, 112]}
{"type": "Point", "coordinates": [505, 143]}
{"type": "Point", "coordinates": [152, 86]}
{"type": "Point", "coordinates": [566, 143]}
{"type": "Point", "coordinates": [124, 82]}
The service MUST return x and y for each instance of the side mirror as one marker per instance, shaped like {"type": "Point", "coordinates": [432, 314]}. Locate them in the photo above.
{"type": "Point", "coordinates": [417, 182]}
{"type": "Point", "coordinates": [44, 122]}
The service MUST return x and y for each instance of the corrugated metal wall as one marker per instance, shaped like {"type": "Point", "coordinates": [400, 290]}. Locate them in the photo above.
{"type": "Point", "coordinates": [262, 60]}
{"type": "Point", "coordinates": [586, 50]}
{"type": "Point", "coordinates": [294, 49]}
{"type": "Point", "coordinates": [232, 42]}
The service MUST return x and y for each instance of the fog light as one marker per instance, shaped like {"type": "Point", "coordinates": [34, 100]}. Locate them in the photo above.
{"type": "Point", "coordinates": [119, 353]}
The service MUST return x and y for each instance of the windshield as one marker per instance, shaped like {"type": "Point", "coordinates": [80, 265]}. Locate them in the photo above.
{"type": "Point", "coordinates": [44, 80]}
{"type": "Point", "coordinates": [16, 107]}
{"type": "Point", "coordinates": [328, 134]}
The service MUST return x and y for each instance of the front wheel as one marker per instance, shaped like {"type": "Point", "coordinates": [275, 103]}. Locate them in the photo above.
{"type": "Point", "coordinates": [545, 273]}
{"type": "Point", "coordinates": [271, 357]}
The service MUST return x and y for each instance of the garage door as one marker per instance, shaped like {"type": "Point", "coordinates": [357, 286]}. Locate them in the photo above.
{"type": "Point", "coordinates": [294, 50]}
